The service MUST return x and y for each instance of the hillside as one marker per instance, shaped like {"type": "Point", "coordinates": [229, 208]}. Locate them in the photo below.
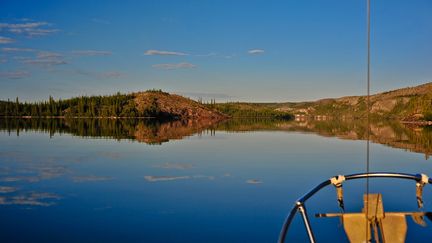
{"type": "Point", "coordinates": [252, 110]}
{"type": "Point", "coordinates": [173, 105]}
{"type": "Point", "coordinates": [408, 104]}
{"type": "Point", "coordinates": [412, 104]}
{"type": "Point", "coordinates": [151, 104]}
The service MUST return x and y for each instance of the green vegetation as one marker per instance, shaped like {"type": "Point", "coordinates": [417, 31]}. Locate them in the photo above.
{"type": "Point", "coordinates": [118, 105]}
{"type": "Point", "coordinates": [250, 110]}
{"type": "Point", "coordinates": [428, 116]}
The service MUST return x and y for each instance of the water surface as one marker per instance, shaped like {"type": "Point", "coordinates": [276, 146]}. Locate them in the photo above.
{"type": "Point", "coordinates": [143, 181]}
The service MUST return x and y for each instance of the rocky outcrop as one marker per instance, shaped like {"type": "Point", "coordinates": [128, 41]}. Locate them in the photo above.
{"type": "Point", "coordinates": [175, 106]}
{"type": "Point", "coordinates": [406, 104]}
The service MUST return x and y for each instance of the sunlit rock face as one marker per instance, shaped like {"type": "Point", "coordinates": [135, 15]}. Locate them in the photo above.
{"type": "Point", "coordinates": [175, 106]}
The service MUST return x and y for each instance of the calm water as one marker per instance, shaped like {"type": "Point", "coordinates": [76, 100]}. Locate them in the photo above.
{"type": "Point", "coordinates": [140, 181]}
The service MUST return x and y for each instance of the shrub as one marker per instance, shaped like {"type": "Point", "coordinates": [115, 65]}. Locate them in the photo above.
{"type": "Point", "coordinates": [428, 115]}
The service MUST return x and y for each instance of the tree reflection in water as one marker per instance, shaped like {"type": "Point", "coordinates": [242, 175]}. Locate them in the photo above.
{"type": "Point", "coordinates": [391, 133]}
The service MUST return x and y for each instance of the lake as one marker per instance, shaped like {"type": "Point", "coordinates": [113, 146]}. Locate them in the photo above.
{"type": "Point", "coordinates": [107, 180]}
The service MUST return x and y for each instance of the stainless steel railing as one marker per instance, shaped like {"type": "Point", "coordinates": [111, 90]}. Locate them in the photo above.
{"type": "Point", "coordinates": [300, 206]}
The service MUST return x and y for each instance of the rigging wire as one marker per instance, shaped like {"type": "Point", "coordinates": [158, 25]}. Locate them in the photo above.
{"type": "Point", "coordinates": [368, 16]}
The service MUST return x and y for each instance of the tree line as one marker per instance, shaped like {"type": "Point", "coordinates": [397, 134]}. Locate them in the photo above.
{"type": "Point", "coordinates": [237, 110]}
{"type": "Point", "coordinates": [118, 105]}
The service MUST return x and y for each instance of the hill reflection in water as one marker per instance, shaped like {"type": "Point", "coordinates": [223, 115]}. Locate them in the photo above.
{"type": "Point", "coordinates": [391, 133]}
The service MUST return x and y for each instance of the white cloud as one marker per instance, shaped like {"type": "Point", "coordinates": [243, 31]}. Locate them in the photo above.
{"type": "Point", "coordinates": [45, 61]}
{"type": "Point", "coordinates": [23, 26]}
{"type": "Point", "coordinates": [6, 40]}
{"type": "Point", "coordinates": [256, 51]}
{"type": "Point", "coordinates": [171, 66]}
{"type": "Point", "coordinates": [91, 53]}
{"type": "Point", "coordinates": [107, 74]}
{"type": "Point", "coordinates": [7, 189]}
{"type": "Point", "coordinates": [165, 178]}
{"type": "Point", "coordinates": [15, 49]}
{"type": "Point", "coordinates": [150, 178]}
{"type": "Point", "coordinates": [48, 54]}
{"type": "Point", "coordinates": [91, 178]}
{"type": "Point", "coordinates": [253, 181]}
{"type": "Point", "coordinates": [174, 166]}
{"type": "Point", "coordinates": [44, 199]}
{"type": "Point", "coordinates": [211, 54]}
{"type": "Point", "coordinates": [29, 29]}
{"type": "Point", "coordinates": [164, 53]}
{"type": "Point", "coordinates": [40, 58]}
{"type": "Point", "coordinates": [14, 74]}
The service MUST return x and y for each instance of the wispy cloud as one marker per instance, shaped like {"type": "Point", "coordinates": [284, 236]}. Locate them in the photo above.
{"type": "Point", "coordinates": [256, 51]}
{"type": "Point", "coordinates": [48, 54]}
{"type": "Point", "coordinates": [174, 178]}
{"type": "Point", "coordinates": [46, 62]}
{"type": "Point", "coordinates": [211, 54]}
{"type": "Point", "coordinates": [45, 59]}
{"type": "Point", "coordinates": [29, 29]}
{"type": "Point", "coordinates": [14, 74]}
{"type": "Point", "coordinates": [91, 53]}
{"type": "Point", "coordinates": [91, 178]}
{"type": "Point", "coordinates": [171, 66]}
{"type": "Point", "coordinates": [7, 189]}
{"type": "Point", "coordinates": [203, 177]}
{"type": "Point", "coordinates": [163, 53]}
{"type": "Point", "coordinates": [107, 74]}
{"type": "Point", "coordinates": [253, 181]}
{"type": "Point", "coordinates": [165, 178]}
{"type": "Point", "coordinates": [39, 58]}
{"type": "Point", "coordinates": [229, 56]}
{"type": "Point", "coordinates": [174, 166]}
{"type": "Point", "coordinates": [44, 199]}
{"type": "Point", "coordinates": [15, 49]}
{"type": "Point", "coordinates": [6, 40]}
{"type": "Point", "coordinates": [23, 25]}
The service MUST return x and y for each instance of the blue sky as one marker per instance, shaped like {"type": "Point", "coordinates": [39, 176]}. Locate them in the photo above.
{"type": "Point", "coordinates": [229, 50]}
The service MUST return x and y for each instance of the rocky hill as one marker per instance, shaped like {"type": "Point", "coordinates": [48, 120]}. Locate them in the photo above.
{"type": "Point", "coordinates": [407, 104]}
{"type": "Point", "coordinates": [176, 106]}
{"type": "Point", "coordinates": [149, 104]}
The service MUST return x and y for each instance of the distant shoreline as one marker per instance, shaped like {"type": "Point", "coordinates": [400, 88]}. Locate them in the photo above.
{"type": "Point", "coordinates": [131, 117]}
{"type": "Point", "coordinates": [417, 123]}
{"type": "Point", "coordinates": [420, 123]}
{"type": "Point", "coordinates": [79, 117]}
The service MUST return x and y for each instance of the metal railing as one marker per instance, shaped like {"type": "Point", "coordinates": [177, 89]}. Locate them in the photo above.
{"type": "Point", "coordinates": [299, 205]}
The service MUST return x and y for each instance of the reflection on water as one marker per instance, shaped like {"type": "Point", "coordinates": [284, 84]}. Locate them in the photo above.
{"type": "Point", "coordinates": [225, 183]}
{"type": "Point", "coordinates": [391, 133]}
{"type": "Point", "coordinates": [142, 130]}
